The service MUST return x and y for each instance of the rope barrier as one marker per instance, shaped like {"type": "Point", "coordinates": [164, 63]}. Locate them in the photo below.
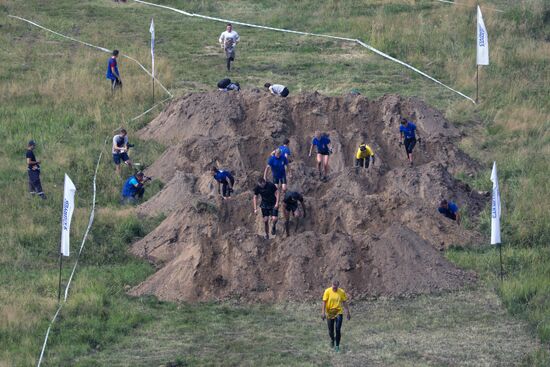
{"type": "Point", "coordinates": [309, 34]}
{"type": "Point", "coordinates": [93, 46]}
{"type": "Point", "coordinates": [455, 3]}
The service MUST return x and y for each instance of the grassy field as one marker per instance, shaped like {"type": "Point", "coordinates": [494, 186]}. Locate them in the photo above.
{"type": "Point", "coordinates": [54, 91]}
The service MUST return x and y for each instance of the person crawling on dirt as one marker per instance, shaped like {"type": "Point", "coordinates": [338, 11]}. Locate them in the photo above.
{"type": "Point", "coordinates": [364, 156]}
{"type": "Point", "coordinates": [278, 163]}
{"type": "Point", "coordinates": [33, 170]}
{"type": "Point", "coordinates": [226, 85]}
{"type": "Point", "coordinates": [290, 205]}
{"type": "Point", "coordinates": [225, 182]}
{"type": "Point", "coordinates": [277, 89]}
{"type": "Point", "coordinates": [322, 142]}
{"type": "Point", "coordinates": [408, 133]}
{"type": "Point", "coordinates": [112, 72]}
{"type": "Point", "coordinates": [133, 189]}
{"type": "Point", "coordinates": [449, 210]}
{"type": "Point", "coordinates": [120, 150]}
{"type": "Point", "coordinates": [334, 303]}
{"type": "Point", "coordinates": [269, 205]}
{"type": "Point", "coordinates": [228, 41]}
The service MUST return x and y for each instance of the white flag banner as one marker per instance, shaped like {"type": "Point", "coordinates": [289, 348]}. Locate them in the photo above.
{"type": "Point", "coordinates": [152, 30]}
{"type": "Point", "coordinates": [68, 208]}
{"type": "Point", "coordinates": [482, 40]}
{"type": "Point", "coordinates": [495, 208]}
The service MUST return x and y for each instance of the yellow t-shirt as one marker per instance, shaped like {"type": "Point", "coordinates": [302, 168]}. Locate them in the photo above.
{"type": "Point", "coordinates": [365, 153]}
{"type": "Point", "coordinates": [334, 302]}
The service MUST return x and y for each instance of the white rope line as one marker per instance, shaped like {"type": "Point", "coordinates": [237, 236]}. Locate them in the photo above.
{"type": "Point", "coordinates": [150, 109]}
{"type": "Point", "coordinates": [93, 46]}
{"type": "Point", "coordinates": [309, 34]}
{"type": "Point", "coordinates": [90, 221]}
{"type": "Point", "coordinates": [455, 3]}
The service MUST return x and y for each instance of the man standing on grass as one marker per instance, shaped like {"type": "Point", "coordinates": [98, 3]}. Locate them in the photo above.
{"type": "Point", "coordinates": [270, 204]}
{"type": "Point", "coordinates": [407, 130]}
{"type": "Point", "coordinates": [120, 150]}
{"type": "Point", "coordinates": [112, 72]}
{"type": "Point", "coordinates": [334, 303]}
{"type": "Point", "coordinates": [228, 41]}
{"type": "Point", "coordinates": [33, 169]}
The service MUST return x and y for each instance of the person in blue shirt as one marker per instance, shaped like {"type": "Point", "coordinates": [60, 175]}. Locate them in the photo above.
{"type": "Point", "coordinates": [449, 210]}
{"type": "Point", "coordinates": [133, 189]}
{"type": "Point", "coordinates": [285, 150]}
{"type": "Point", "coordinates": [225, 182]}
{"type": "Point", "coordinates": [278, 164]}
{"type": "Point", "coordinates": [322, 142]}
{"type": "Point", "coordinates": [112, 72]}
{"type": "Point", "coordinates": [408, 133]}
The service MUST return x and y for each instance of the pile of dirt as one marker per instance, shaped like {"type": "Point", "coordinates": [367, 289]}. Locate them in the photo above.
{"type": "Point", "coordinates": [377, 231]}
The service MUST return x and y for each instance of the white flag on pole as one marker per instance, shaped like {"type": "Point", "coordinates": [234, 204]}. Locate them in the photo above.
{"type": "Point", "coordinates": [152, 30]}
{"type": "Point", "coordinates": [495, 208]}
{"type": "Point", "coordinates": [68, 208]}
{"type": "Point", "coordinates": [482, 40]}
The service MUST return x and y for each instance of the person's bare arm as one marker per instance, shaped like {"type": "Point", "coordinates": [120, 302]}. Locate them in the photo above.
{"type": "Point", "coordinates": [458, 218]}
{"type": "Point", "coordinates": [310, 150]}
{"type": "Point", "coordinates": [346, 308]}
{"type": "Point", "coordinates": [277, 197]}
{"type": "Point", "coordinates": [265, 172]}
{"type": "Point", "coordinates": [254, 201]}
{"type": "Point", "coordinates": [303, 207]}
{"type": "Point", "coordinates": [29, 161]}
{"type": "Point", "coordinates": [323, 310]}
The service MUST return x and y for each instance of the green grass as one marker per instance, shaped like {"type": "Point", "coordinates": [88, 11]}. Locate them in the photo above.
{"type": "Point", "coordinates": [54, 91]}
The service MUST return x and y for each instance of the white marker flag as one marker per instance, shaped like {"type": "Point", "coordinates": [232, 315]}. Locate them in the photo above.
{"type": "Point", "coordinates": [68, 208]}
{"type": "Point", "coordinates": [152, 30]}
{"type": "Point", "coordinates": [482, 40]}
{"type": "Point", "coordinates": [495, 208]}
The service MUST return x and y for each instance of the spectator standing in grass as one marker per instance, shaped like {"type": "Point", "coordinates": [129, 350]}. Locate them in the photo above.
{"type": "Point", "coordinates": [334, 304]}
{"type": "Point", "coordinates": [33, 169]}
{"type": "Point", "coordinates": [112, 72]}
{"type": "Point", "coordinates": [228, 41]}
{"type": "Point", "coordinates": [277, 89]}
{"type": "Point", "coordinates": [449, 210]}
{"type": "Point", "coordinates": [120, 150]}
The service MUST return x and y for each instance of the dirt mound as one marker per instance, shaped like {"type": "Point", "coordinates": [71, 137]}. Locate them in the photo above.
{"type": "Point", "coordinates": [378, 231]}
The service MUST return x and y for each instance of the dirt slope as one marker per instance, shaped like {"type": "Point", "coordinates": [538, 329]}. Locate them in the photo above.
{"type": "Point", "coordinates": [378, 231]}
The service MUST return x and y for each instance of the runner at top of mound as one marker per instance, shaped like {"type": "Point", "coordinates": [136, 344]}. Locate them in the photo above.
{"type": "Point", "coordinates": [277, 89]}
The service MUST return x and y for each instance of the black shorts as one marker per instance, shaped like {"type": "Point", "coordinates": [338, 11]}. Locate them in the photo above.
{"type": "Point", "coordinates": [285, 92]}
{"type": "Point", "coordinates": [291, 207]}
{"type": "Point", "coordinates": [270, 212]}
{"type": "Point", "coordinates": [118, 157]}
{"type": "Point", "coordinates": [279, 180]}
{"type": "Point", "coordinates": [362, 162]}
{"type": "Point", "coordinates": [324, 152]}
{"type": "Point", "coordinates": [409, 144]}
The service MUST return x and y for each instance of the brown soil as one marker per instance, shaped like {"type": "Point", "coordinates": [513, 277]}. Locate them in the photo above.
{"type": "Point", "coordinates": [378, 231]}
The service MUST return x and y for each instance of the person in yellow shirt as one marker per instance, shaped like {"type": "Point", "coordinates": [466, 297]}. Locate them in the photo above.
{"type": "Point", "coordinates": [364, 156]}
{"type": "Point", "coordinates": [334, 304]}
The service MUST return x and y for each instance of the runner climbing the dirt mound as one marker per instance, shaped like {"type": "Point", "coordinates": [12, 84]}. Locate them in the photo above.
{"type": "Point", "coordinates": [277, 163]}
{"type": "Point", "coordinates": [407, 130]}
{"type": "Point", "coordinates": [322, 142]}
{"type": "Point", "coordinates": [290, 204]}
{"type": "Point", "coordinates": [225, 182]}
{"type": "Point", "coordinates": [269, 205]}
{"type": "Point", "coordinates": [364, 156]}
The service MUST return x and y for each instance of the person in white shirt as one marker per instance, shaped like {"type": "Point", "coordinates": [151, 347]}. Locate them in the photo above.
{"type": "Point", "coordinates": [277, 89]}
{"type": "Point", "coordinates": [120, 150]}
{"type": "Point", "coordinates": [228, 41]}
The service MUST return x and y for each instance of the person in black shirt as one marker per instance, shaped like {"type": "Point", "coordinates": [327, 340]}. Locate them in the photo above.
{"type": "Point", "coordinates": [33, 169]}
{"type": "Point", "coordinates": [270, 204]}
{"type": "Point", "coordinates": [290, 204]}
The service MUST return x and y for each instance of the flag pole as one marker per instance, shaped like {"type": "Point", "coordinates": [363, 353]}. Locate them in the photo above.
{"type": "Point", "coordinates": [60, 267]}
{"type": "Point", "coordinates": [153, 89]}
{"type": "Point", "coordinates": [501, 269]}
{"type": "Point", "coordinates": [477, 83]}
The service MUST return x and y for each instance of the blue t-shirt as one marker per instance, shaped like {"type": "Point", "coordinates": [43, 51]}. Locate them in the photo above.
{"type": "Point", "coordinates": [285, 151]}
{"type": "Point", "coordinates": [321, 144]}
{"type": "Point", "coordinates": [278, 166]}
{"type": "Point", "coordinates": [112, 63]}
{"type": "Point", "coordinates": [129, 189]}
{"type": "Point", "coordinates": [221, 176]}
{"type": "Point", "coordinates": [453, 208]}
{"type": "Point", "coordinates": [408, 130]}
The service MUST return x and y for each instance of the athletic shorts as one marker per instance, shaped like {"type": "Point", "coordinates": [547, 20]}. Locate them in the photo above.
{"type": "Point", "coordinates": [270, 212]}
{"type": "Point", "coordinates": [362, 162]}
{"type": "Point", "coordinates": [291, 207]}
{"type": "Point", "coordinates": [118, 157]}
{"type": "Point", "coordinates": [324, 152]}
{"type": "Point", "coordinates": [409, 144]}
{"type": "Point", "coordinates": [279, 180]}
{"type": "Point", "coordinates": [285, 92]}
